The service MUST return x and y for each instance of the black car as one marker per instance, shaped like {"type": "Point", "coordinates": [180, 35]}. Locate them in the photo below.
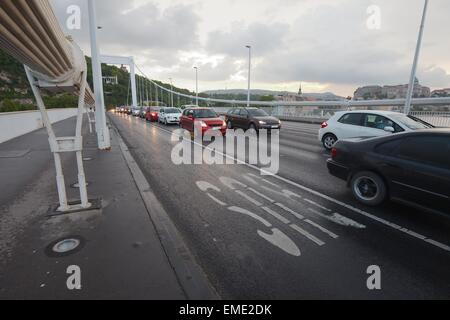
{"type": "Point", "coordinates": [412, 168]}
{"type": "Point", "coordinates": [251, 118]}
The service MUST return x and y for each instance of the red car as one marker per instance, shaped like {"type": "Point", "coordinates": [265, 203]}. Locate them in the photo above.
{"type": "Point", "coordinates": [152, 114]}
{"type": "Point", "coordinates": [205, 118]}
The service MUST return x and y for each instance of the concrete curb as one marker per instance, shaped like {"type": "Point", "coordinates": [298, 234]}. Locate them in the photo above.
{"type": "Point", "coordinates": [191, 277]}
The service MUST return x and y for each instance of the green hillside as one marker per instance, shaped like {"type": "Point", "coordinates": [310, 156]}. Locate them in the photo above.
{"type": "Point", "coordinates": [15, 93]}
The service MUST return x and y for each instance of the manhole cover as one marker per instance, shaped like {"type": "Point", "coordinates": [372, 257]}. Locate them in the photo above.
{"type": "Point", "coordinates": [65, 247]}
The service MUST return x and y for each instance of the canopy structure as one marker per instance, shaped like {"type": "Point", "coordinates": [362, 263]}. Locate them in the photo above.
{"type": "Point", "coordinates": [30, 32]}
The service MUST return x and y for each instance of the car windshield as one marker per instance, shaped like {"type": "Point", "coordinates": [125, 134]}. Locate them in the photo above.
{"type": "Point", "coordinates": [172, 110]}
{"type": "Point", "coordinates": [257, 113]}
{"type": "Point", "coordinates": [411, 122]}
{"type": "Point", "coordinates": [205, 113]}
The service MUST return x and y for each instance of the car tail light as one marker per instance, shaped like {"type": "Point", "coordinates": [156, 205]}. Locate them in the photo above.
{"type": "Point", "coordinates": [334, 153]}
{"type": "Point", "coordinates": [324, 125]}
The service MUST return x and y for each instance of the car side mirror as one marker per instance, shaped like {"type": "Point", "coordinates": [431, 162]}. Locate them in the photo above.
{"type": "Point", "coordinates": [389, 129]}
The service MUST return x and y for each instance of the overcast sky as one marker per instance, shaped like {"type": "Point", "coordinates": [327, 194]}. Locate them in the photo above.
{"type": "Point", "coordinates": [324, 44]}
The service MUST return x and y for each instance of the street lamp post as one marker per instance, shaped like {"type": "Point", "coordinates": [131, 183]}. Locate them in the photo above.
{"type": "Point", "coordinates": [416, 60]}
{"type": "Point", "coordinates": [103, 136]}
{"type": "Point", "coordinates": [196, 85]}
{"type": "Point", "coordinates": [249, 73]}
{"type": "Point", "coordinates": [171, 93]}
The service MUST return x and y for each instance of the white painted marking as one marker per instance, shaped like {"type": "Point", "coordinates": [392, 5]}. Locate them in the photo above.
{"type": "Point", "coordinates": [295, 214]}
{"type": "Point", "coordinates": [339, 219]}
{"type": "Point", "coordinates": [317, 205]}
{"type": "Point", "coordinates": [250, 214]}
{"type": "Point", "coordinates": [261, 195]}
{"type": "Point", "coordinates": [230, 183]}
{"type": "Point", "coordinates": [328, 198]}
{"type": "Point", "coordinates": [307, 235]}
{"type": "Point", "coordinates": [247, 197]}
{"type": "Point", "coordinates": [282, 241]}
{"type": "Point", "coordinates": [276, 215]}
{"type": "Point", "coordinates": [331, 234]}
{"type": "Point", "coordinates": [223, 204]}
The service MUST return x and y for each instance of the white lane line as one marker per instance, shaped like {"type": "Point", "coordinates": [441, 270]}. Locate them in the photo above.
{"type": "Point", "coordinates": [339, 219]}
{"type": "Point", "coordinates": [276, 215]}
{"type": "Point", "coordinates": [331, 234]}
{"type": "Point", "coordinates": [247, 197]}
{"type": "Point", "coordinates": [317, 205]}
{"type": "Point", "coordinates": [295, 214]}
{"type": "Point", "coordinates": [307, 235]}
{"type": "Point", "coordinates": [369, 216]}
{"type": "Point", "coordinates": [261, 195]}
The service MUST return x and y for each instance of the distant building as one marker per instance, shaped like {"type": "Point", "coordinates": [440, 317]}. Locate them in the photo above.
{"type": "Point", "coordinates": [391, 92]}
{"type": "Point", "coordinates": [291, 97]}
{"type": "Point", "coordinates": [440, 93]}
{"type": "Point", "coordinates": [368, 93]}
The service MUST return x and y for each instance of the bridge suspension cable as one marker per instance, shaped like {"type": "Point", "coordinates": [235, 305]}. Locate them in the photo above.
{"type": "Point", "coordinates": [341, 103]}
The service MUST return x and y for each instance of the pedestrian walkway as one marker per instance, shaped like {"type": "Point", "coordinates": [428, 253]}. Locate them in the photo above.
{"type": "Point", "coordinates": [119, 251]}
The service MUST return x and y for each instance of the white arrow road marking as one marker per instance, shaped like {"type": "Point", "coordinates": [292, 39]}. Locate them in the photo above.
{"type": "Point", "coordinates": [231, 183]}
{"type": "Point", "coordinates": [277, 238]}
{"type": "Point", "coordinates": [339, 219]}
{"type": "Point", "coordinates": [280, 240]}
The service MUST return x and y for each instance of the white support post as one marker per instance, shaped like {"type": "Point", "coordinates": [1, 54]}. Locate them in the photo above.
{"type": "Point", "coordinates": [63, 145]}
{"type": "Point", "coordinates": [133, 84]}
{"type": "Point", "coordinates": [415, 62]}
{"type": "Point", "coordinates": [104, 141]}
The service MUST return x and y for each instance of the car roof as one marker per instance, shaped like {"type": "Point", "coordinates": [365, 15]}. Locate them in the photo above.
{"type": "Point", "coordinates": [380, 112]}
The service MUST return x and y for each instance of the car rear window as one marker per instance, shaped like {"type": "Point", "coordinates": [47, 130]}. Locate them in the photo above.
{"type": "Point", "coordinates": [205, 113]}
{"type": "Point", "coordinates": [352, 119]}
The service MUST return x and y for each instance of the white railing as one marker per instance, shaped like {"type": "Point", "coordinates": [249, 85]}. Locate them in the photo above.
{"type": "Point", "coordinates": [436, 118]}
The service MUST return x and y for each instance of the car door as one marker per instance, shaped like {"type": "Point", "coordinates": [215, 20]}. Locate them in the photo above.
{"type": "Point", "coordinates": [419, 171]}
{"type": "Point", "coordinates": [349, 126]}
{"type": "Point", "coordinates": [243, 119]}
{"type": "Point", "coordinates": [374, 125]}
{"type": "Point", "coordinates": [183, 119]}
{"type": "Point", "coordinates": [162, 115]}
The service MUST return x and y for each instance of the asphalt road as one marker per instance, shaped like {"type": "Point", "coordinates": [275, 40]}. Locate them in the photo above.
{"type": "Point", "coordinates": [296, 235]}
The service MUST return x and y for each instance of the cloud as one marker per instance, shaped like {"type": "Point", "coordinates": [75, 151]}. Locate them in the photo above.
{"type": "Point", "coordinates": [316, 41]}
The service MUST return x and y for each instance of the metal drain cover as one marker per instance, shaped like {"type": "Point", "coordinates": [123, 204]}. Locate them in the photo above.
{"type": "Point", "coordinates": [65, 247]}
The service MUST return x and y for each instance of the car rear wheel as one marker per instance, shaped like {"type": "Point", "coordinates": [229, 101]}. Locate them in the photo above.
{"type": "Point", "coordinates": [329, 140]}
{"type": "Point", "coordinates": [230, 125]}
{"type": "Point", "coordinates": [369, 188]}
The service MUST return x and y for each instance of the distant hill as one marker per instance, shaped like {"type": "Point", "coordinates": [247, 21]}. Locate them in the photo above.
{"type": "Point", "coordinates": [327, 96]}
{"type": "Point", "coordinates": [15, 92]}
